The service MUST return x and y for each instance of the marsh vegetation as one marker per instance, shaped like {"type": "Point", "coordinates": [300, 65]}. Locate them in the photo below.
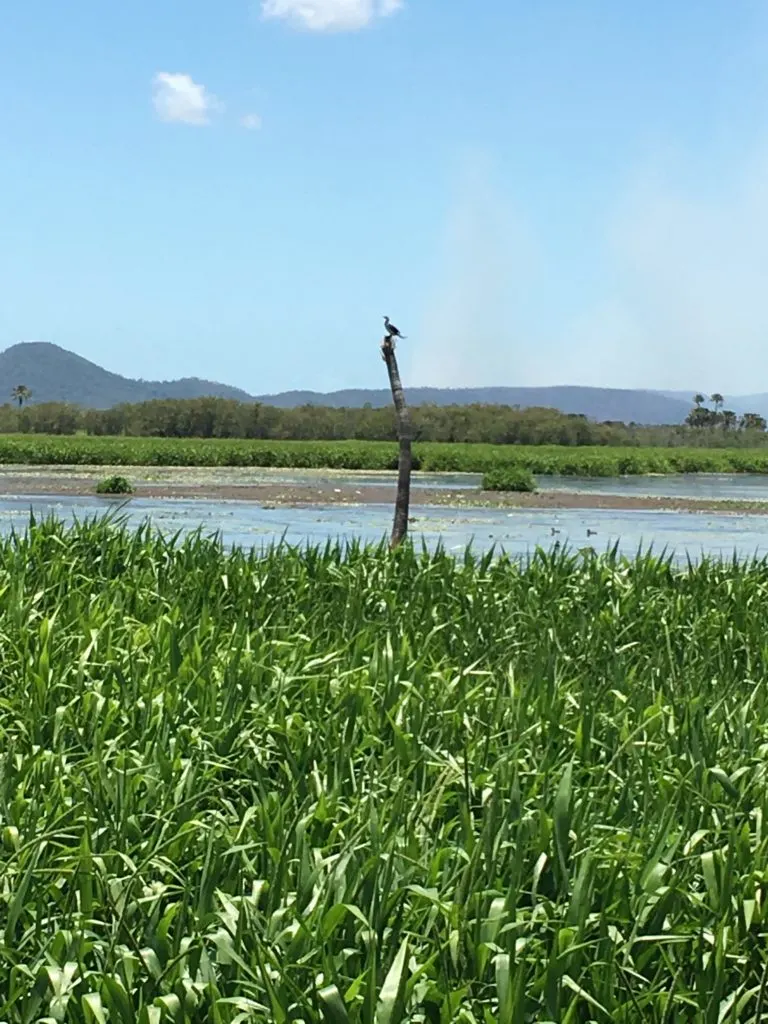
{"type": "Point", "coordinates": [345, 784]}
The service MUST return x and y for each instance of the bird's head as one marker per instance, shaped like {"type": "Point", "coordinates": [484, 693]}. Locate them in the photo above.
{"type": "Point", "coordinates": [386, 318]}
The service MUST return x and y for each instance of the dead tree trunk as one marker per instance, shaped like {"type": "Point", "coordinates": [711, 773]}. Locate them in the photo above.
{"type": "Point", "coordinates": [402, 502]}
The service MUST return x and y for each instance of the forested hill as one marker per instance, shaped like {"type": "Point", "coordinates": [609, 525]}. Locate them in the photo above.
{"type": "Point", "coordinates": [54, 374]}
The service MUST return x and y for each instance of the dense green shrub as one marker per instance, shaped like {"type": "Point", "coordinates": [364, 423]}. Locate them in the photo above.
{"type": "Point", "coordinates": [509, 478]}
{"type": "Point", "coordinates": [114, 485]}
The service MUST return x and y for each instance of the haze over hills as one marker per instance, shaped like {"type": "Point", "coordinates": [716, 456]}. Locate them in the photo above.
{"type": "Point", "coordinates": [54, 374]}
{"type": "Point", "coordinates": [597, 403]}
{"type": "Point", "coordinates": [736, 403]}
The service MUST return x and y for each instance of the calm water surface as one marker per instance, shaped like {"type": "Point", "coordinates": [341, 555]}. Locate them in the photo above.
{"type": "Point", "coordinates": [517, 531]}
{"type": "Point", "coordinates": [707, 486]}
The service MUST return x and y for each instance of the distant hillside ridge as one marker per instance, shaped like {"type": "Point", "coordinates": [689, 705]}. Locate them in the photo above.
{"type": "Point", "coordinates": [54, 374]}
{"type": "Point", "coordinates": [736, 403]}
{"type": "Point", "coordinates": [626, 405]}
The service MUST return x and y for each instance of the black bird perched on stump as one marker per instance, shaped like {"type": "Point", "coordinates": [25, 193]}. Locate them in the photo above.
{"type": "Point", "coordinates": [392, 331]}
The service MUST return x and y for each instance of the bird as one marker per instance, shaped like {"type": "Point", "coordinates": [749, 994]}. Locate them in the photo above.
{"type": "Point", "coordinates": [392, 331]}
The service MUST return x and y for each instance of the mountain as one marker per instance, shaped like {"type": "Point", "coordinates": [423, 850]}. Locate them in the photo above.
{"type": "Point", "coordinates": [596, 403]}
{"type": "Point", "coordinates": [748, 403]}
{"type": "Point", "coordinates": [55, 375]}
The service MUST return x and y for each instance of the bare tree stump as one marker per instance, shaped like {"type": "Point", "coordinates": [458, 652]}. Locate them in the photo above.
{"type": "Point", "coordinates": [404, 462]}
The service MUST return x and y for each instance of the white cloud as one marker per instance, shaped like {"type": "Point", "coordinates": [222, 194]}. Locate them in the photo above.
{"type": "Point", "coordinates": [330, 15]}
{"type": "Point", "coordinates": [177, 98]}
{"type": "Point", "coordinates": [251, 121]}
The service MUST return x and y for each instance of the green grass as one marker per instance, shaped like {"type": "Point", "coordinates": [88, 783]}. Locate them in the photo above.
{"type": "Point", "coordinates": [348, 785]}
{"type": "Point", "coordinates": [35, 449]}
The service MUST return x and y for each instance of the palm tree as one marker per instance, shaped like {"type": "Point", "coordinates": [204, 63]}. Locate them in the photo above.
{"type": "Point", "coordinates": [21, 394]}
{"type": "Point", "coordinates": [698, 400]}
{"type": "Point", "coordinates": [729, 419]}
{"type": "Point", "coordinates": [717, 400]}
{"type": "Point", "coordinates": [753, 421]}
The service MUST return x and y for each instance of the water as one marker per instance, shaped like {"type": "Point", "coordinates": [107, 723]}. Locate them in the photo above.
{"type": "Point", "coordinates": [227, 476]}
{"type": "Point", "coordinates": [705, 486]}
{"type": "Point", "coordinates": [517, 531]}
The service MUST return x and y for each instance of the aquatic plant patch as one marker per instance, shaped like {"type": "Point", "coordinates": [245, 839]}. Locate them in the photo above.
{"type": "Point", "coordinates": [374, 455]}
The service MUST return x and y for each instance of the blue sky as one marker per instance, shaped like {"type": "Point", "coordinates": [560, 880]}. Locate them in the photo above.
{"type": "Point", "coordinates": [549, 192]}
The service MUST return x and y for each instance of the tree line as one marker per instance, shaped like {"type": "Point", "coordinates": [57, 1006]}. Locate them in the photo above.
{"type": "Point", "coordinates": [702, 418]}
{"type": "Point", "coordinates": [493, 424]}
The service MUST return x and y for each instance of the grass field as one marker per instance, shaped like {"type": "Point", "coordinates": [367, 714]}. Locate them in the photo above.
{"type": "Point", "coordinates": [374, 455]}
{"type": "Point", "coordinates": [354, 786]}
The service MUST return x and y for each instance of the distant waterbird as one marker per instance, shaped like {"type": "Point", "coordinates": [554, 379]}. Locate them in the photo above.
{"type": "Point", "coordinates": [392, 331]}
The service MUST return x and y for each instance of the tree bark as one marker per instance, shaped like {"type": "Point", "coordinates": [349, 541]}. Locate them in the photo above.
{"type": "Point", "coordinates": [402, 502]}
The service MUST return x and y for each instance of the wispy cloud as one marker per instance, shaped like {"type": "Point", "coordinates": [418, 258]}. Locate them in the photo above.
{"type": "Point", "coordinates": [177, 97]}
{"type": "Point", "coordinates": [252, 122]}
{"type": "Point", "coordinates": [690, 264]}
{"type": "Point", "coordinates": [330, 15]}
{"type": "Point", "coordinates": [471, 332]}
{"type": "Point", "coordinates": [387, 7]}
{"type": "Point", "coordinates": [679, 301]}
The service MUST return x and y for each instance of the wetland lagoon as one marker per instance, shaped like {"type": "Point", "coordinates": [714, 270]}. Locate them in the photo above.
{"type": "Point", "coordinates": [303, 506]}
